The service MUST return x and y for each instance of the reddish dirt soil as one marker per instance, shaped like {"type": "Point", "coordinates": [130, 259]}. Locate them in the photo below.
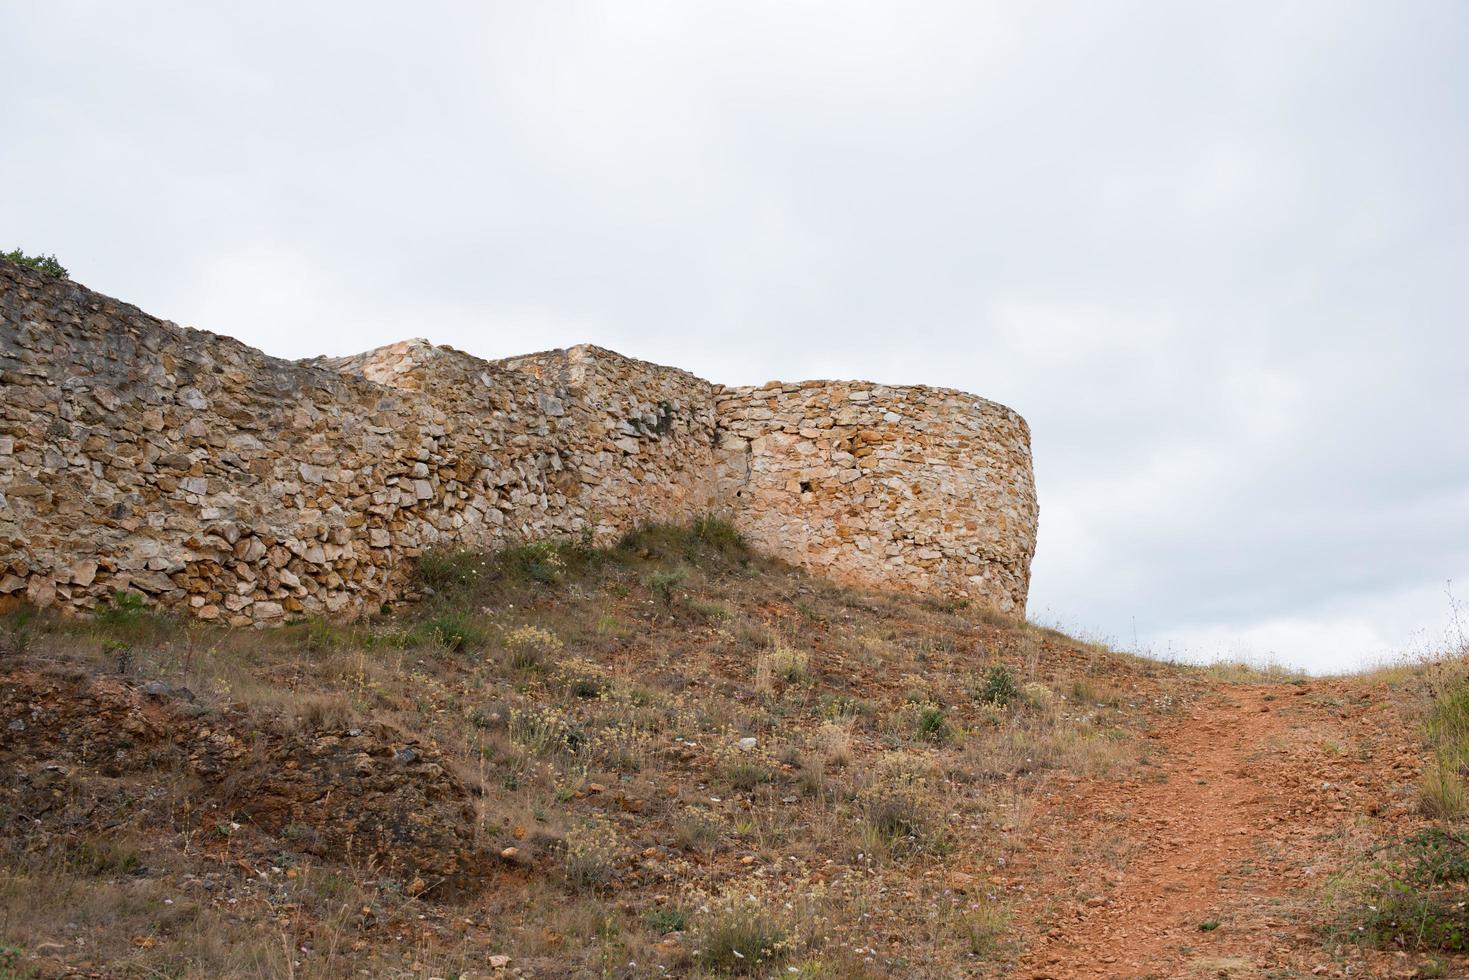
{"type": "Point", "coordinates": [1213, 863]}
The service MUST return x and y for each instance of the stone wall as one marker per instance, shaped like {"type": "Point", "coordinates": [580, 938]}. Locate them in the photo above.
{"type": "Point", "coordinates": [927, 489]}
{"type": "Point", "coordinates": [181, 464]}
{"type": "Point", "coordinates": [138, 455]}
{"type": "Point", "coordinates": [619, 441]}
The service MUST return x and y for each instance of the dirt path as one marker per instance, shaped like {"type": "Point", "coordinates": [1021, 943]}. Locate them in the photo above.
{"type": "Point", "coordinates": [1207, 865]}
{"type": "Point", "coordinates": [1199, 822]}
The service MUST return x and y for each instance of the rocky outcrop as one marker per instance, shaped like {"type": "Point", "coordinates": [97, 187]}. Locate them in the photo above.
{"type": "Point", "coordinates": [139, 456]}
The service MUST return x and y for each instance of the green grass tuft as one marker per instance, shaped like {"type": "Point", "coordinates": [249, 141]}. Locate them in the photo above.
{"type": "Point", "coordinates": [999, 687]}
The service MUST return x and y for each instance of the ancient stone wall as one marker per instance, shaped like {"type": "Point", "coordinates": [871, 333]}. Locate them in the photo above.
{"type": "Point", "coordinates": [138, 455]}
{"type": "Point", "coordinates": [654, 427]}
{"type": "Point", "coordinates": [620, 441]}
{"type": "Point", "coordinates": [927, 489]}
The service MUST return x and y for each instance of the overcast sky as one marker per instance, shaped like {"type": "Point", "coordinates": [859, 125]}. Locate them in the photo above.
{"type": "Point", "coordinates": [1217, 254]}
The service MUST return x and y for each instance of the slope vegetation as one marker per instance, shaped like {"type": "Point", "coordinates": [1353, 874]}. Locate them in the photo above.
{"type": "Point", "coordinates": [678, 758]}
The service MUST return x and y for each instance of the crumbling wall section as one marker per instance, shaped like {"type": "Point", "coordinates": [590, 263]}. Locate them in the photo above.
{"type": "Point", "coordinates": [653, 429]}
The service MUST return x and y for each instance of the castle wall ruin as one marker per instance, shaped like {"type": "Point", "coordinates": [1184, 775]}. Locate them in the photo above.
{"type": "Point", "coordinates": [138, 455]}
{"type": "Point", "coordinates": [924, 489]}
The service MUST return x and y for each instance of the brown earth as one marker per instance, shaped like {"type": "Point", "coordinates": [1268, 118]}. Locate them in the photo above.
{"type": "Point", "coordinates": [78, 744]}
{"type": "Point", "coordinates": [1219, 854]}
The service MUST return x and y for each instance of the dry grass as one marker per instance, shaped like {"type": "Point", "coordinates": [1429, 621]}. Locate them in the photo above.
{"type": "Point", "coordinates": [597, 716]}
{"type": "Point", "coordinates": [1046, 738]}
{"type": "Point", "coordinates": [1446, 691]}
{"type": "Point", "coordinates": [144, 926]}
{"type": "Point", "coordinates": [780, 663]}
{"type": "Point", "coordinates": [1244, 672]}
{"type": "Point", "coordinates": [1441, 792]}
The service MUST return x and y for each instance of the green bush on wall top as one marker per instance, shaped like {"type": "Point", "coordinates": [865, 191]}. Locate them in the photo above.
{"type": "Point", "coordinates": [44, 264]}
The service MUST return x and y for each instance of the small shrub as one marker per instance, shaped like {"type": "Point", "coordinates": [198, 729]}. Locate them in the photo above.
{"type": "Point", "coordinates": [665, 585]}
{"type": "Point", "coordinates": [999, 686]}
{"type": "Point", "coordinates": [624, 747]}
{"type": "Point", "coordinates": [668, 919]}
{"type": "Point", "coordinates": [590, 858]}
{"type": "Point", "coordinates": [984, 929]}
{"type": "Point", "coordinates": [449, 572]}
{"type": "Point", "coordinates": [1037, 696]}
{"type": "Point", "coordinates": [453, 631]}
{"type": "Point", "coordinates": [298, 832]}
{"type": "Point", "coordinates": [781, 662]}
{"type": "Point", "coordinates": [324, 635]}
{"type": "Point", "coordinates": [697, 831]}
{"type": "Point", "coordinates": [933, 726]}
{"type": "Point", "coordinates": [742, 938]}
{"type": "Point", "coordinates": [918, 688]}
{"type": "Point", "coordinates": [1442, 794]}
{"type": "Point", "coordinates": [529, 646]}
{"type": "Point", "coordinates": [1244, 672]}
{"type": "Point", "coordinates": [840, 707]}
{"type": "Point", "coordinates": [718, 534]}
{"type": "Point", "coordinates": [812, 778]}
{"type": "Point", "coordinates": [944, 604]}
{"type": "Point", "coordinates": [102, 857]}
{"type": "Point", "coordinates": [584, 678]}
{"type": "Point", "coordinates": [1085, 690]}
{"type": "Point", "coordinates": [1448, 722]}
{"type": "Point", "coordinates": [744, 776]}
{"type": "Point", "coordinates": [901, 814]}
{"type": "Point", "coordinates": [706, 537]}
{"type": "Point", "coordinates": [834, 742]}
{"type": "Point", "coordinates": [1433, 969]}
{"type": "Point", "coordinates": [121, 654]}
{"type": "Point", "coordinates": [540, 561]}
{"type": "Point", "coordinates": [323, 712]}
{"type": "Point", "coordinates": [540, 732]}
{"type": "Point", "coordinates": [46, 265]}
{"type": "Point", "coordinates": [711, 611]}
{"type": "Point", "coordinates": [790, 665]}
{"type": "Point", "coordinates": [125, 609]}
{"type": "Point", "coordinates": [486, 719]}
{"type": "Point", "coordinates": [18, 633]}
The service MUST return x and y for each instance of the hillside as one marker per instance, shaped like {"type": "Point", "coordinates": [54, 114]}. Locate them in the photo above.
{"type": "Point", "coordinates": [675, 757]}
